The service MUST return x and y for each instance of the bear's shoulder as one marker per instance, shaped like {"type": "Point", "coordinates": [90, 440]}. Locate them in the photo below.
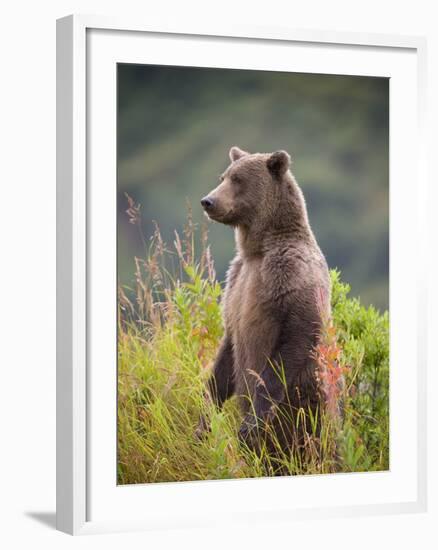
{"type": "Point", "coordinates": [292, 267]}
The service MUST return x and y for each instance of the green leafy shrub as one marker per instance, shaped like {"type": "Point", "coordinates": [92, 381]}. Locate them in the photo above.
{"type": "Point", "coordinates": [364, 337]}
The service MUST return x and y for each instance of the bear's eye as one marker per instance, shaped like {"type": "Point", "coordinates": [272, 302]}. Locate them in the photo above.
{"type": "Point", "coordinates": [221, 178]}
{"type": "Point", "coordinates": [236, 179]}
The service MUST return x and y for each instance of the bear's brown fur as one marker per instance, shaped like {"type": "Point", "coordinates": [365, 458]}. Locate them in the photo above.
{"type": "Point", "coordinates": [272, 302]}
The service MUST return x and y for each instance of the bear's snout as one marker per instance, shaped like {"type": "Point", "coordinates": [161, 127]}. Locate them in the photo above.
{"type": "Point", "coordinates": [207, 203]}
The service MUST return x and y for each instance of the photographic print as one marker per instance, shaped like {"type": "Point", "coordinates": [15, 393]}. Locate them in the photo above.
{"type": "Point", "coordinates": [253, 273]}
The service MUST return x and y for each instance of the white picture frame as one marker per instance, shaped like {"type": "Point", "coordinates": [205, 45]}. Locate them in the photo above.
{"type": "Point", "coordinates": [88, 48]}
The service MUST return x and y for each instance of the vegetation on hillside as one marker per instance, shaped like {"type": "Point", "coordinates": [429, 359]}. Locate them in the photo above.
{"type": "Point", "coordinates": [167, 339]}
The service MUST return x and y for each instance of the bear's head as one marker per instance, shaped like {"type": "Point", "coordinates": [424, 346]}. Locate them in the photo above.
{"type": "Point", "coordinates": [250, 189]}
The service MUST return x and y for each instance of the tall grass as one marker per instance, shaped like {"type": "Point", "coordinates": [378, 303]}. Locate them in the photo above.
{"type": "Point", "coordinates": [169, 328]}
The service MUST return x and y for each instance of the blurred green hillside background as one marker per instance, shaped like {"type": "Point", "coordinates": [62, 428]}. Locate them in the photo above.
{"type": "Point", "coordinates": [176, 125]}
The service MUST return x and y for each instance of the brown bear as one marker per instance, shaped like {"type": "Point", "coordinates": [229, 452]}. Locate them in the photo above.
{"type": "Point", "coordinates": [276, 298]}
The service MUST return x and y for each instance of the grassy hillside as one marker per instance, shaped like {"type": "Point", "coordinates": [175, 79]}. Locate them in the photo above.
{"type": "Point", "coordinates": [176, 125]}
{"type": "Point", "coordinates": [168, 337]}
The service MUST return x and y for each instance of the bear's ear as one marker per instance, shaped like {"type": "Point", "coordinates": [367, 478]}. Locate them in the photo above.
{"type": "Point", "coordinates": [278, 163]}
{"type": "Point", "coordinates": [236, 153]}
